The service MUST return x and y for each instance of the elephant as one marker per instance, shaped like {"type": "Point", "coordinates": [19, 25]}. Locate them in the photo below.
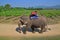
{"type": "Point", "coordinates": [26, 22]}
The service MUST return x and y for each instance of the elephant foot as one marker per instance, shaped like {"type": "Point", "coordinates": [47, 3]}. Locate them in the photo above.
{"type": "Point", "coordinates": [45, 30]}
{"type": "Point", "coordinates": [40, 31]}
{"type": "Point", "coordinates": [33, 31]}
{"type": "Point", "coordinates": [24, 32]}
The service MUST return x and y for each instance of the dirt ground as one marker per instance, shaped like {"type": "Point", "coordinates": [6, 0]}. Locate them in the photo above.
{"type": "Point", "coordinates": [10, 30]}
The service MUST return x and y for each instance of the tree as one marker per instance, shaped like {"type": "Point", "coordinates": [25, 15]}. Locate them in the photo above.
{"type": "Point", "coordinates": [7, 6]}
{"type": "Point", "coordinates": [1, 8]}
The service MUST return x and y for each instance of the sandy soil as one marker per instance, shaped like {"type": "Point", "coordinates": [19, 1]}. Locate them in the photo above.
{"type": "Point", "coordinates": [10, 30]}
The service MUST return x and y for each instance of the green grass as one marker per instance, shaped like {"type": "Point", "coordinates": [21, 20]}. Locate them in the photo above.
{"type": "Point", "coordinates": [31, 38]}
{"type": "Point", "coordinates": [50, 13]}
{"type": "Point", "coordinates": [8, 38]}
{"type": "Point", "coordinates": [19, 12]}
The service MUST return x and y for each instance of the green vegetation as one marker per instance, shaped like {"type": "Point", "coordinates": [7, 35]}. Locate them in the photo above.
{"type": "Point", "coordinates": [51, 13]}
{"type": "Point", "coordinates": [18, 12]}
{"type": "Point", "coordinates": [7, 10]}
{"type": "Point", "coordinates": [42, 38]}
{"type": "Point", "coordinates": [8, 38]}
{"type": "Point", "coordinates": [31, 38]}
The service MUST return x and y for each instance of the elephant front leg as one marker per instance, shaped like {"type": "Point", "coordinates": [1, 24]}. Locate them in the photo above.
{"type": "Point", "coordinates": [32, 29]}
{"type": "Point", "coordinates": [25, 28]}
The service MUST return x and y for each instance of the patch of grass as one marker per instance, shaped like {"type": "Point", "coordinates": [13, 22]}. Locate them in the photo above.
{"type": "Point", "coordinates": [31, 38]}
{"type": "Point", "coordinates": [8, 38]}
{"type": "Point", "coordinates": [16, 12]}
{"type": "Point", "coordinates": [42, 38]}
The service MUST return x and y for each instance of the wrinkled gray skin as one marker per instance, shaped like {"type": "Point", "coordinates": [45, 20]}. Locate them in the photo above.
{"type": "Point", "coordinates": [34, 23]}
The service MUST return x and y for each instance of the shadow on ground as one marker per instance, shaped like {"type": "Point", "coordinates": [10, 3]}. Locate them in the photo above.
{"type": "Point", "coordinates": [29, 29]}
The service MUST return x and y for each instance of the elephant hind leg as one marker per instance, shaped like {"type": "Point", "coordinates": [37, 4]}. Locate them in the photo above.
{"type": "Point", "coordinates": [42, 28]}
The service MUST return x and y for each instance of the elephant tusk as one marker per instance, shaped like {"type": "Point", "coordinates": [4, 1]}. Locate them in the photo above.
{"type": "Point", "coordinates": [23, 26]}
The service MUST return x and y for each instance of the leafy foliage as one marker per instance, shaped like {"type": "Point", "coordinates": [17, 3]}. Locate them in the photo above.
{"type": "Point", "coordinates": [7, 10]}
{"type": "Point", "coordinates": [7, 7]}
